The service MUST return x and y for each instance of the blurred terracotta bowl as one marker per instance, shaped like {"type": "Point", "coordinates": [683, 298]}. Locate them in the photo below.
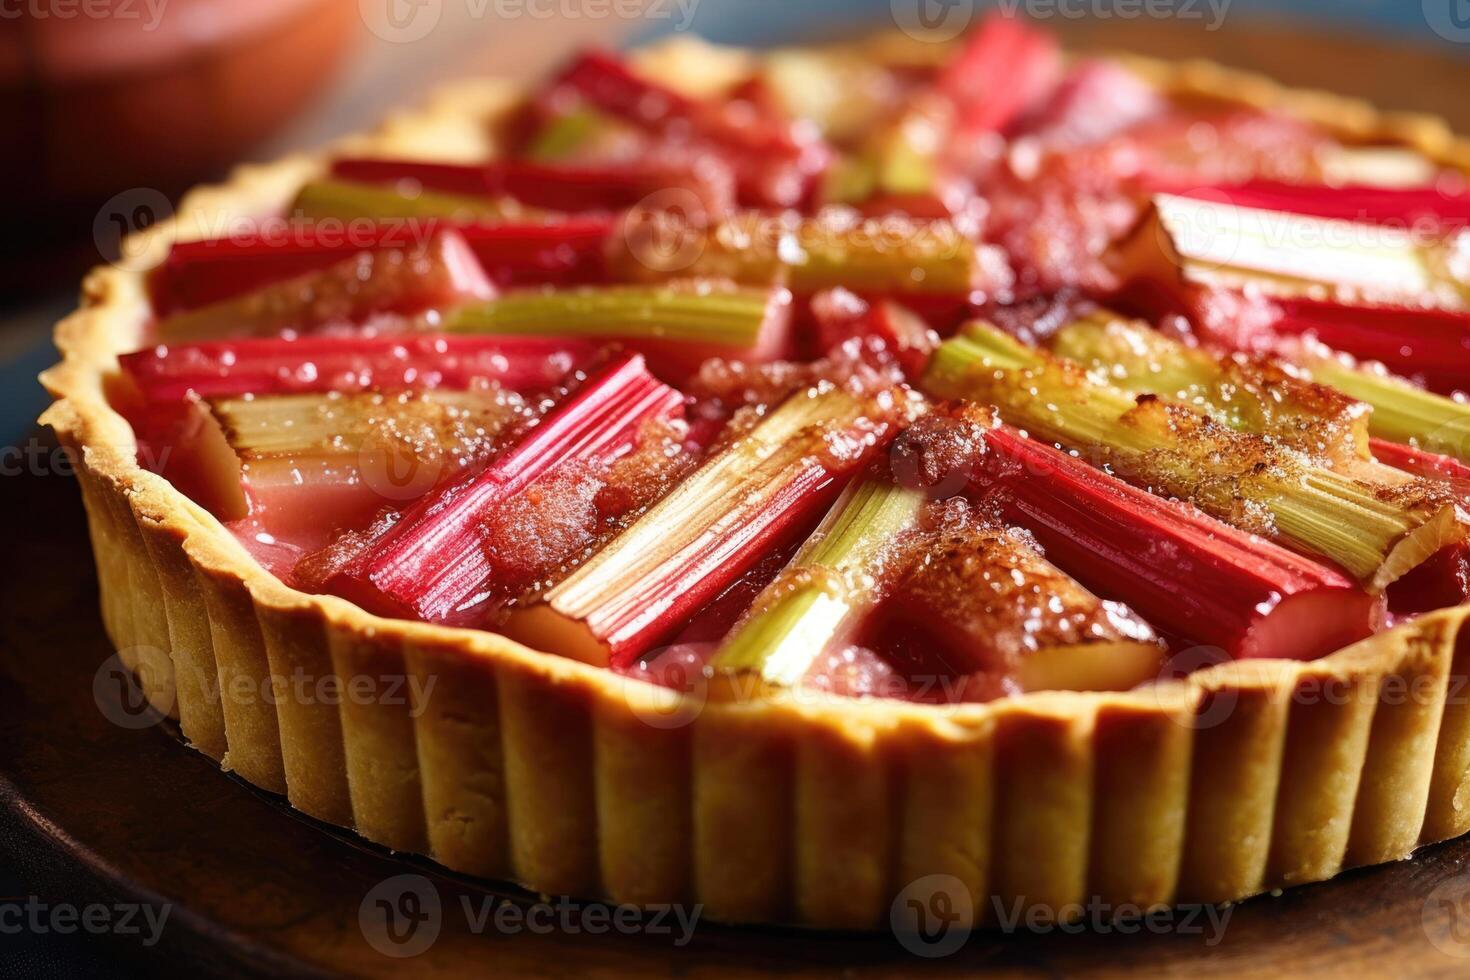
{"type": "Point", "coordinates": [97, 96]}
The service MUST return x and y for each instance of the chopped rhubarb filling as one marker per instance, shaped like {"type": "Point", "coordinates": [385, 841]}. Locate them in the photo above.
{"type": "Point", "coordinates": [881, 326]}
{"type": "Point", "coordinates": [1259, 395]}
{"type": "Point", "coordinates": [1435, 211]}
{"type": "Point", "coordinates": [774, 163]}
{"type": "Point", "coordinates": [1195, 244]}
{"type": "Point", "coordinates": [568, 187]}
{"type": "Point", "coordinates": [1375, 532]}
{"type": "Point", "coordinates": [459, 554]}
{"type": "Point", "coordinates": [304, 466]}
{"type": "Point", "coordinates": [1095, 101]}
{"type": "Point", "coordinates": [757, 491]}
{"type": "Point", "coordinates": [318, 365]}
{"type": "Point", "coordinates": [1246, 276]}
{"type": "Point", "coordinates": [917, 160]}
{"type": "Point", "coordinates": [843, 94]}
{"type": "Point", "coordinates": [1196, 579]}
{"type": "Point", "coordinates": [349, 200]}
{"type": "Point", "coordinates": [893, 256]}
{"type": "Point", "coordinates": [446, 391]}
{"type": "Point", "coordinates": [974, 597]}
{"type": "Point", "coordinates": [1430, 346]}
{"type": "Point", "coordinates": [1443, 580]}
{"type": "Point", "coordinates": [201, 273]}
{"type": "Point", "coordinates": [818, 600]}
{"type": "Point", "coordinates": [1004, 68]}
{"type": "Point", "coordinates": [1420, 462]}
{"type": "Point", "coordinates": [438, 273]}
{"type": "Point", "coordinates": [676, 325]}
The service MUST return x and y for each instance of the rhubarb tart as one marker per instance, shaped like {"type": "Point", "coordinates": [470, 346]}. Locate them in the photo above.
{"type": "Point", "coordinates": [767, 480]}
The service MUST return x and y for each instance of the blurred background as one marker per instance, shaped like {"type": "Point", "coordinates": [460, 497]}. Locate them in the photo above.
{"type": "Point", "coordinates": [111, 108]}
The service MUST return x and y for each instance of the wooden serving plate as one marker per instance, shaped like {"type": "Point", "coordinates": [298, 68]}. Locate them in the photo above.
{"type": "Point", "coordinates": [96, 810]}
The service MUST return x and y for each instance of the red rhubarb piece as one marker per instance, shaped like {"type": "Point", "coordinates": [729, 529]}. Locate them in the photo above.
{"type": "Point", "coordinates": [1096, 100]}
{"type": "Point", "coordinates": [451, 557]}
{"type": "Point", "coordinates": [438, 273]}
{"type": "Point", "coordinates": [274, 365]}
{"type": "Point", "coordinates": [1428, 345]}
{"type": "Point", "coordinates": [1005, 68]}
{"type": "Point", "coordinates": [200, 273]}
{"type": "Point", "coordinates": [1188, 574]}
{"type": "Point", "coordinates": [572, 187]}
{"type": "Point", "coordinates": [1434, 210]}
{"type": "Point", "coordinates": [1419, 462]}
{"type": "Point", "coordinates": [880, 327]}
{"type": "Point", "coordinates": [447, 178]}
{"type": "Point", "coordinates": [773, 167]}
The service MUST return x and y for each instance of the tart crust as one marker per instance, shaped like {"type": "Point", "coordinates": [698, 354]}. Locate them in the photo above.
{"type": "Point", "coordinates": [500, 761]}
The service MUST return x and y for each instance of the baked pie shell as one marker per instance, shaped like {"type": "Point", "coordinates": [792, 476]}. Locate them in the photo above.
{"type": "Point", "coordinates": [500, 761]}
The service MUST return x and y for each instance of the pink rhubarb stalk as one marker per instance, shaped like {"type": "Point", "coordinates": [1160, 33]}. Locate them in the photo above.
{"type": "Point", "coordinates": [433, 562]}
{"type": "Point", "coordinates": [774, 167]}
{"type": "Point", "coordinates": [756, 494]}
{"type": "Point", "coordinates": [272, 365]}
{"type": "Point", "coordinates": [1005, 68]}
{"type": "Point", "coordinates": [435, 274]}
{"type": "Point", "coordinates": [1188, 574]}
{"type": "Point", "coordinates": [200, 273]}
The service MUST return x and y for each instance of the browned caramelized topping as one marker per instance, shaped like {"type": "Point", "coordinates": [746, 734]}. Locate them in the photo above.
{"type": "Point", "coordinates": [984, 597]}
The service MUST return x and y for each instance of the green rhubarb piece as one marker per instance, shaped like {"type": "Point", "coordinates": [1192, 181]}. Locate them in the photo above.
{"type": "Point", "coordinates": [571, 134]}
{"type": "Point", "coordinates": [717, 314]}
{"type": "Point", "coordinates": [1401, 412]}
{"type": "Point", "coordinates": [869, 255]}
{"type": "Point", "coordinates": [346, 200]}
{"type": "Point", "coordinates": [1376, 533]}
{"type": "Point", "coordinates": [1251, 394]}
{"type": "Point", "coordinates": [1136, 358]}
{"type": "Point", "coordinates": [824, 588]}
